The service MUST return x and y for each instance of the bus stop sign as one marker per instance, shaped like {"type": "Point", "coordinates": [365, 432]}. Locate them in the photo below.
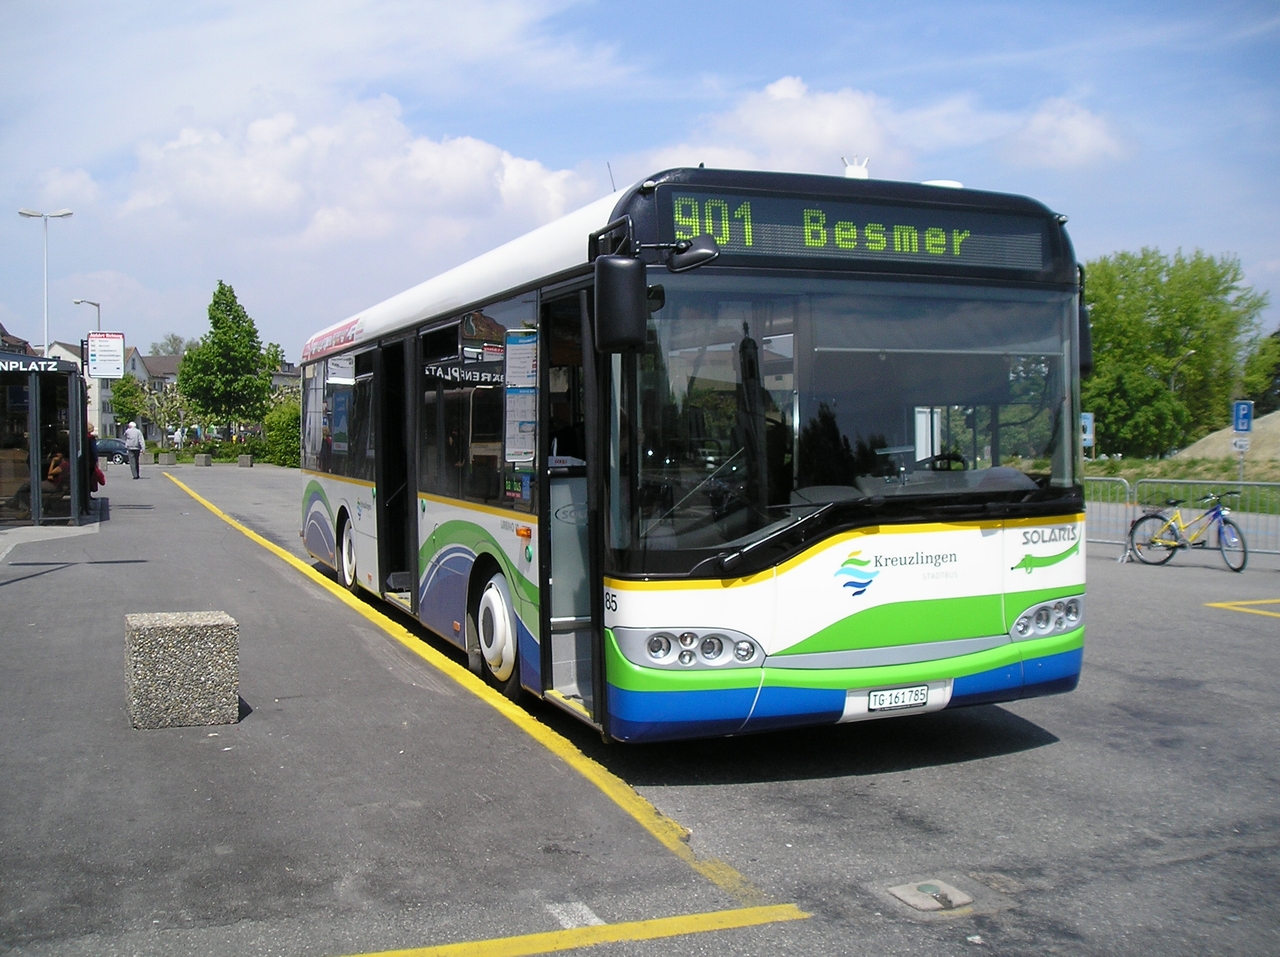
{"type": "Point", "coordinates": [1242, 416]}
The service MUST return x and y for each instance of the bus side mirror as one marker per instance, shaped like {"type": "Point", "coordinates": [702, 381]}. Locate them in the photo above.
{"type": "Point", "coordinates": [622, 304]}
{"type": "Point", "coordinates": [690, 254]}
{"type": "Point", "coordinates": [1086, 342]}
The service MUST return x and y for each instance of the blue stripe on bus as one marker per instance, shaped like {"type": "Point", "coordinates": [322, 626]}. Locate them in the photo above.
{"type": "Point", "coordinates": [789, 707]}
{"type": "Point", "coordinates": [530, 658]}
{"type": "Point", "coordinates": [1053, 674]}
{"type": "Point", "coordinates": [664, 715]}
{"type": "Point", "coordinates": [999, 684]}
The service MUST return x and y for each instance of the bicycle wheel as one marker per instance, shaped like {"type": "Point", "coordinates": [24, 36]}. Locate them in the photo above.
{"type": "Point", "coordinates": [1151, 538]}
{"type": "Point", "coordinates": [1231, 541]}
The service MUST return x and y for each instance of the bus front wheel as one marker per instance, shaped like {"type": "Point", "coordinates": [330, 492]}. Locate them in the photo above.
{"type": "Point", "coordinates": [495, 630]}
{"type": "Point", "coordinates": [347, 557]}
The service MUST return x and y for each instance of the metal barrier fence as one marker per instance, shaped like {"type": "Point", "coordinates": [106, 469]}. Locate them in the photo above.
{"type": "Point", "coordinates": [1111, 504]}
{"type": "Point", "coordinates": [1108, 511]}
{"type": "Point", "coordinates": [1256, 510]}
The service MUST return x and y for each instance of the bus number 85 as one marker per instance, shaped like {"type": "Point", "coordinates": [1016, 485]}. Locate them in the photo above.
{"type": "Point", "coordinates": [712, 217]}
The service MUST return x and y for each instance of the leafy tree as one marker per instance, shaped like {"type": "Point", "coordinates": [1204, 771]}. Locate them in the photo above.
{"type": "Point", "coordinates": [173, 345]}
{"type": "Point", "coordinates": [1171, 336]}
{"type": "Point", "coordinates": [129, 399]}
{"type": "Point", "coordinates": [282, 428]}
{"type": "Point", "coordinates": [169, 409]}
{"type": "Point", "coordinates": [1262, 375]}
{"type": "Point", "coordinates": [228, 375]}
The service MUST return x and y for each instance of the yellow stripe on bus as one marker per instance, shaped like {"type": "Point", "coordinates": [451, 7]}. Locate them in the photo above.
{"type": "Point", "coordinates": [576, 937]}
{"type": "Point", "coordinates": [337, 478]}
{"type": "Point", "coordinates": [660, 585]}
{"type": "Point", "coordinates": [670, 834]}
{"type": "Point", "coordinates": [524, 518]}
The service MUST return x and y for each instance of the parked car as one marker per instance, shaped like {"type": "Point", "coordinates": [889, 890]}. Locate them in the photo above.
{"type": "Point", "coordinates": [112, 450]}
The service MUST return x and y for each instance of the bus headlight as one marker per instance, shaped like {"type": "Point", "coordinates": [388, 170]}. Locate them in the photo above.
{"type": "Point", "coordinates": [659, 646]}
{"type": "Point", "coordinates": [1054, 617]}
{"type": "Point", "coordinates": [683, 649]}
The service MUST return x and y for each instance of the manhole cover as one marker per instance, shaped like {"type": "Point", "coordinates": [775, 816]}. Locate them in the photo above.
{"type": "Point", "coordinates": [931, 895]}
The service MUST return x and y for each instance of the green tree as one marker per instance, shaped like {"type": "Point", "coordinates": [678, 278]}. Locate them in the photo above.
{"type": "Point", "coordinates": [1262, 375]}
{"type": "Point", "coordinates": [129, 399]}
{"type": "Point", "coordinates": [169, 409]}
{"type": "Point", "coordinates": [173, 345]}
{"type": "Point", "coordinates": [228, 375]}
{"type": "Point", "coordinates": [1171, 336]}
{"type": "Point", "coordinates": [282, 428]}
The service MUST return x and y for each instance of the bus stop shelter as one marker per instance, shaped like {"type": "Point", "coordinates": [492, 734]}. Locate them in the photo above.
{"type": "Point", "coordinates": [44, 471]}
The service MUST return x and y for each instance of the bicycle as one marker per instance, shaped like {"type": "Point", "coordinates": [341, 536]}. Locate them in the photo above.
{"type": "Point", "coordinates": [1157, 535]}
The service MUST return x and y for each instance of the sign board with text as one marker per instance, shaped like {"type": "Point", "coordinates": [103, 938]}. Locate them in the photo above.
{"type": "Point", "coordinates": [106, 355]}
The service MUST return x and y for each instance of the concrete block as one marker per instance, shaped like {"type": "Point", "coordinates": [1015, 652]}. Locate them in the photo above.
{"type": "Point", "coordinates": [147, 458]}
{"type": "Point", "coordinates": [204, 458]}
{"type": "Point", "coordinates": [246, 461]}
{"type": "Point", "coordinates": [168, 458]}
{"type": "Point", "coordinates": [184, 669]}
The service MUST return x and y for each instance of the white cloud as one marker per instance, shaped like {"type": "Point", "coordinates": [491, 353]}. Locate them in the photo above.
{"type": "Point", "coordinates": [365, 176]}
{"type": "Point", "coordinates": [788, 126]}
{"type": "Point", "coordinates": [62, 187]}
{"type": "Point", "coordinates": [1062, 134]}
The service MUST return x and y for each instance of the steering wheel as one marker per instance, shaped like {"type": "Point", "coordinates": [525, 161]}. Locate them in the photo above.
{"type": "Point", "coordinates": [946, 462]}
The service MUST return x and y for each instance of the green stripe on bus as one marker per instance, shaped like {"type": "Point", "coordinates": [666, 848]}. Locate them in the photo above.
{"type": "Point", "coordinates": [623, 674]}
{"type": "Point", "coordinates": [472, 536]}
{"type": "Point", "coordinates": [943, 668]}
{"type": "Point", "coordinates": [909, 623]}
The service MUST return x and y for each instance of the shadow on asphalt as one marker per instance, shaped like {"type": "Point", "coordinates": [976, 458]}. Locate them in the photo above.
{"type": "Point", "coordinates": [826, 751]}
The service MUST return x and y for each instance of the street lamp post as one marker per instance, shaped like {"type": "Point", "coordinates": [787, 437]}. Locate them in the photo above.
{"type": "Point", "coordinates": [1174, 371]}
{"type": "Point", "coordinates": [97, 383]}
{"type": "Point", "coordinates": [32, 214]}
{"type": "Point", "coordinates": [96, 305]}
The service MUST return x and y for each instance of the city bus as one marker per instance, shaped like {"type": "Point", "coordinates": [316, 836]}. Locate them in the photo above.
{"type": "Point", "coordinates": [725, 452]}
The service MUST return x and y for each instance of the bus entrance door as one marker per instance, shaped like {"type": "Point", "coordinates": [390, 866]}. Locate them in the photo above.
{"type": "Point", "coordinates": [570, 662]}
{"type": "Point", "coordinates": [395, 497]}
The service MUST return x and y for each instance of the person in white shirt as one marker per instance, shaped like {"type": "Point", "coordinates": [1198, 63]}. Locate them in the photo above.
{"type": "Point", "coordinates": [134, 443]}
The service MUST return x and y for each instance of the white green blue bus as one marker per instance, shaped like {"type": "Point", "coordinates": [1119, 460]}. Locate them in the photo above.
{"type": "Point", "coordinates": [725, 452]}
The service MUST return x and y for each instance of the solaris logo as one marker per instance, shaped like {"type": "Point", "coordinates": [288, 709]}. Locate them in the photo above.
{"type": "Point", "coordinates": [855, 574]}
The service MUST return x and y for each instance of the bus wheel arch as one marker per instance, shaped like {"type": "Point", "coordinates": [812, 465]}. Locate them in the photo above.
{"type": "Point", "coordinates": [348, 572]}
{"type": "Point", "coordinates": [492, 628]}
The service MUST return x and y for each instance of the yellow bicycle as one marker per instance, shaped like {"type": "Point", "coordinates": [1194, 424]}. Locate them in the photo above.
{"type": "Point", "coordinates": [1157, 535]}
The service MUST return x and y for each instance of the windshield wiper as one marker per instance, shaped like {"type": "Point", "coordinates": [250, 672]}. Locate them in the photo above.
{"type": "Point", "coordinates": [730, 560]}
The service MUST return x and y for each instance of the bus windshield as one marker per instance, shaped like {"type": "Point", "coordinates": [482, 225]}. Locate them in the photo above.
{"type": "Point", "coordinates": [759, 400]}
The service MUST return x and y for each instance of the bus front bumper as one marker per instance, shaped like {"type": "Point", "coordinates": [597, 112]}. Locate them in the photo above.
{"type": "Point", "coordinates": [650, 705]}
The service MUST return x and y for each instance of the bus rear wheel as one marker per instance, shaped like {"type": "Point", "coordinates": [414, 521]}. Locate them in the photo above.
{"type": "Point", "coordinates": [347, 557]}
{"type": "Point", "coordinates": [494, 625]}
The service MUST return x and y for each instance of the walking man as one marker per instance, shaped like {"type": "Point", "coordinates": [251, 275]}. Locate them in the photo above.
{"type": "Point", "coordinates": [134, 443]}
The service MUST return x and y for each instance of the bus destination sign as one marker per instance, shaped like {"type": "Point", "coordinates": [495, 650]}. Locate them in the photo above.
{"type": "Point", "coordinates": [755, 225]}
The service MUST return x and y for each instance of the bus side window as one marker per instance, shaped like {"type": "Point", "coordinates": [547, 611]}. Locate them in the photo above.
{"type": "Point", "coordinates": [484, 454]}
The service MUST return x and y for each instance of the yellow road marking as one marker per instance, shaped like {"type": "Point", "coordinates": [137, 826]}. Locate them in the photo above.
{"type": "Point", "coordinates": [1240, 606]}
{"type": "Point", "coordinates": [558, 940]}
{"type": "Point", "coordinates": [670, 834]}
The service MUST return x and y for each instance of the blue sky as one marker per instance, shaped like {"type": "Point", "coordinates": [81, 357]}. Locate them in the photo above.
{"type": "Point", "coordinates": [322, 156]}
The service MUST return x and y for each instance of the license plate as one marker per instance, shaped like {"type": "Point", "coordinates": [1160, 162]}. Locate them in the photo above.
{"type": "Point", "coordinates": [892, 699]}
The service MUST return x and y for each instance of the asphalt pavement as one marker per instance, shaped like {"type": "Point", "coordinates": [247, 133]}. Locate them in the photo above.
{"type": "Point", "coordinates": [366, 801]}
